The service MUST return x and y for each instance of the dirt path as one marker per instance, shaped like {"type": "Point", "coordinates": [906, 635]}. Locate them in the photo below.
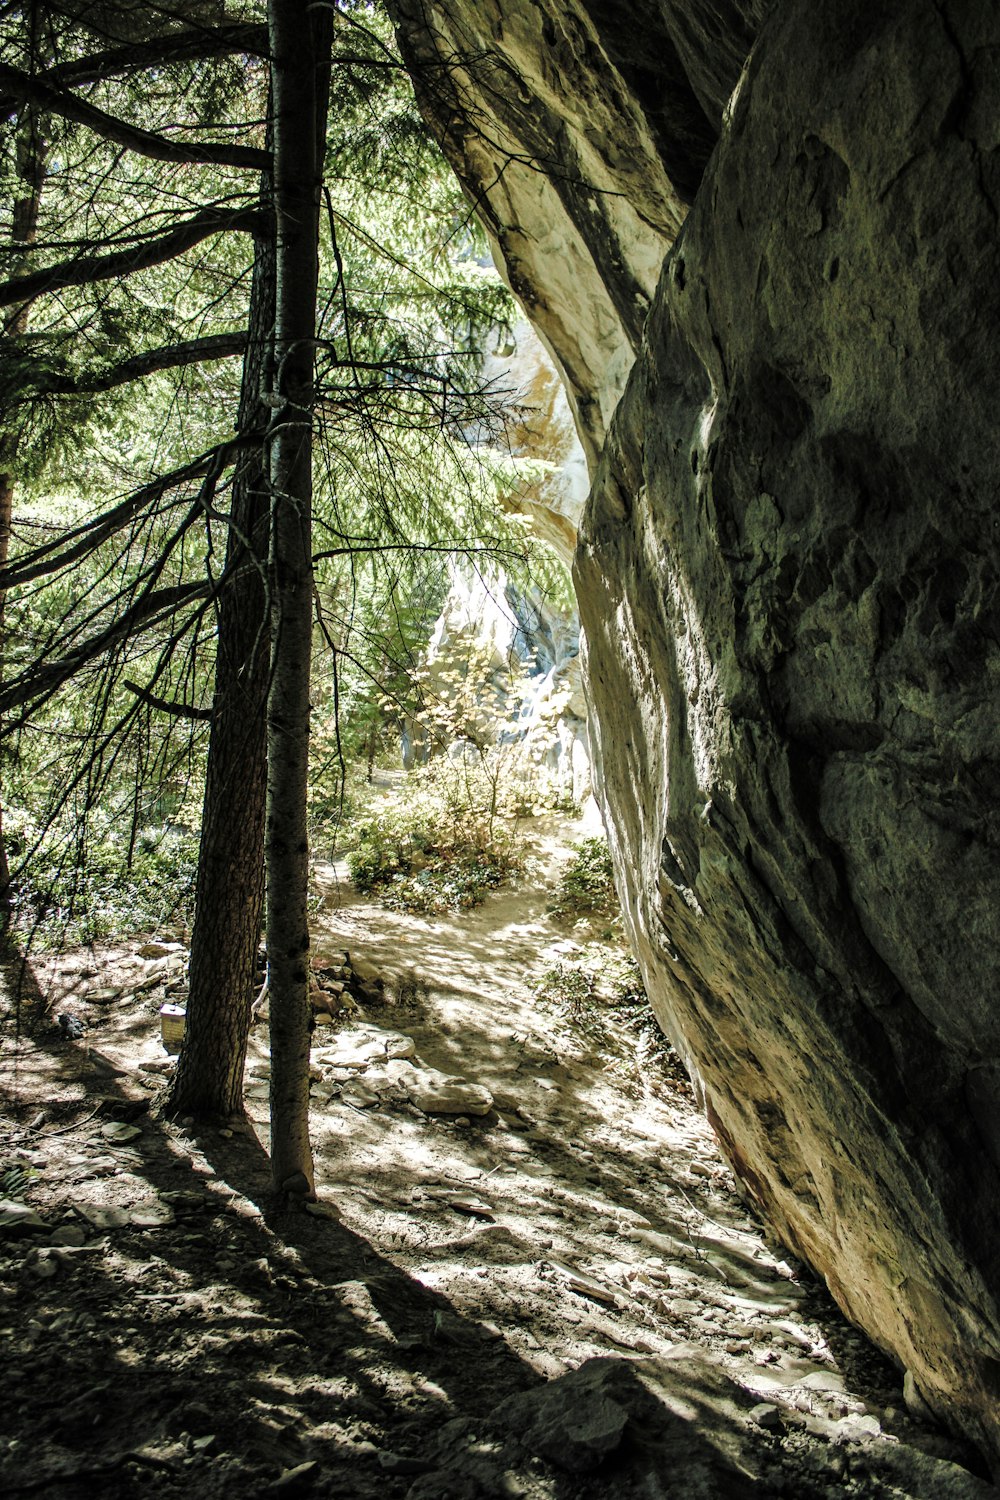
{"type": "Point", "coordinates": [559, 1297]}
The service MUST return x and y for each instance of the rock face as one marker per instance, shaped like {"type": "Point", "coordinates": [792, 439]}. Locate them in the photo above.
{"type": "Point", "coordinates": [788, 578]}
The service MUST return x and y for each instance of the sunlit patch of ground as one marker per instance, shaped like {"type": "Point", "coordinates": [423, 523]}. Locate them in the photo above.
{"type": "Point", "coordinates": [165, 1333]}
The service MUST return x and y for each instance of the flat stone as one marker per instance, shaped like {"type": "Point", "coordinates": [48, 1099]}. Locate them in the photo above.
{"type": "Point", "coordinates": [683, 1307]}
{"type": "Point", "coordinates": [100, 1215]}
{"type": "Point", "coordinates": [365, 970]}
{"type": "Point", "coordinates": [823, 1380]}
{"type": "Point", "coordinates": [182, 1200]}
{"type": "Point", "coordinates": [357, 1095]}
{"type": "Point", "coordinates": [573, 1422]}
{"type": "Point", "coordinates": [118, 1133]}
{"type": "Point", "coordinates": [401, 1463]}
{"type": "Point", "coordinates": [320, 1210]}
{"type": "Point", "coordinates": [68, 1234]}
{"type": "Point", "coordinates": [858, 1428]}
{"type": "Point", "coordinates": [157, 949]}
{"type": "Point", "coordinates": [152, 1215]}
{"type": "Point", "coordinates": [17, 1219]}
{"type": "Point", "coordinates": [451, 1098]}
{"type": "Point", "coordinates": [356, 1055]}
{"type": "Point", "coordinates": [301, 1477]}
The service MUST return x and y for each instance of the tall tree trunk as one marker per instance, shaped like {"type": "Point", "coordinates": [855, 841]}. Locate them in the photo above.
{"type": "Point", "coordinates": [229, 896]}
{"type": "Point", "coordinates": [31, 151]}
{"type": "Point", "coordinates": [300, 49]}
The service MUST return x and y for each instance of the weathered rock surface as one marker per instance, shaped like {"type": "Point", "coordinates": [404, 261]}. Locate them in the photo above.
{"type": "Point", "coordinates": [788, 581]}
{"type": "Point", "coordinates": [598, 158]}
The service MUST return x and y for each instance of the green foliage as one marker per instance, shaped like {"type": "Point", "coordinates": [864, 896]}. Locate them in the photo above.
{"type": "Point", "coordinates": [439, 844]}
{"type": "Point", "coordinates": [600, 995]}
{"type": "Point", "coordinates": [586, 885]}
{"type": "Point", "coordinates": [60, 899]}
{"type": "Point", "coordinates": [410, 463]}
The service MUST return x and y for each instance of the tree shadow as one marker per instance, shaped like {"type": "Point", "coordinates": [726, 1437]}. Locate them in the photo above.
{"type": "Point", "coordinates": [242, 1339]}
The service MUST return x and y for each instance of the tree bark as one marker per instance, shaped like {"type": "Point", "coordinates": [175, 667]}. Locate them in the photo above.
{"type": "Point", "coordinates": [229, 893]}
{"type": "Point", "coordinates": [300, 48]}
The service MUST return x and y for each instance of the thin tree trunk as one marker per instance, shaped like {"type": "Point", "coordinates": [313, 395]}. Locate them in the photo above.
{"type": "Point", "coordinates": [300, 49]}
{"type": "Point", "coordinates": [6, 516]}
{"type": "Point", "coordinates": [229, 895]}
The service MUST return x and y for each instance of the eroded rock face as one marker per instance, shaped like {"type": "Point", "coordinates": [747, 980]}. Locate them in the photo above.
{"type": "Point", "coordinates": [788, 577]}
{"type": "Point", "coordinates": [581, 135]}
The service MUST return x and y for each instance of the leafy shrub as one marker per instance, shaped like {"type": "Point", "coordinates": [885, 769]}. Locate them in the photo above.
{"type": "Point", "coordinates": [440, 844]}
{"type": "Point", "coordinates": [586, 886]}
{"type": "Point", "coordinates": [601, 995]}
{"type": "Point", "coordinates": [60, 898]}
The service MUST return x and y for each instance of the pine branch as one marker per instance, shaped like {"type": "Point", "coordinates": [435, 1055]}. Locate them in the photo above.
{"type": "Point", "coordinates": [178, 46]}
{"type": "Point", "coordinates": [38, 682]}
{"type": "Point", "coordinates": [82, 270]}
{"type": "Point", "coordinates": [145, 142]}
{"type": "Point", "coordinates": [49, 382]}
{"type": "Point", "coordinates": [82, 540]}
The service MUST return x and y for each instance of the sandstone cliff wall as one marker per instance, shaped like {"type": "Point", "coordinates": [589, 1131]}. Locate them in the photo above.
{"type": "Point", "coordinates": [788, 577]}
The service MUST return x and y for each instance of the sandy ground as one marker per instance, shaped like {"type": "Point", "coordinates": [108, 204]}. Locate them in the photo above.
{"type": "Point", "coordinates": [562, 1296]}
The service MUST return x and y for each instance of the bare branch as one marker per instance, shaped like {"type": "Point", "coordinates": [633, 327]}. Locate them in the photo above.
{"type": "Point", "coordinates": [176, 710]}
